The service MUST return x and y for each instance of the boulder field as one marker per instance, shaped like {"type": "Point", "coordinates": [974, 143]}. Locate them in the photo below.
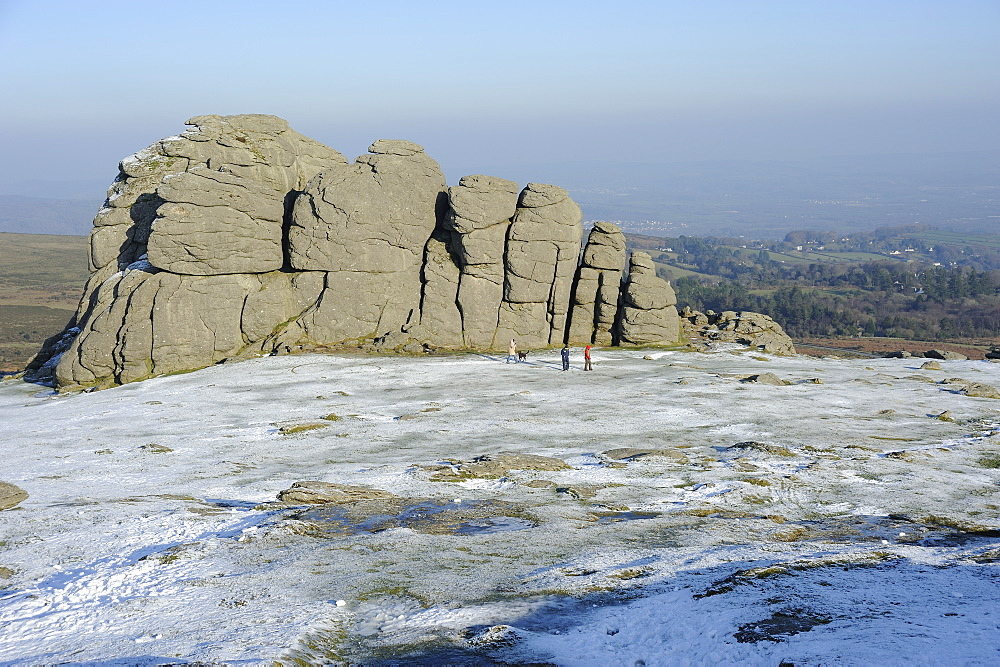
{"type": "Point", "coordinates": [242, 237]}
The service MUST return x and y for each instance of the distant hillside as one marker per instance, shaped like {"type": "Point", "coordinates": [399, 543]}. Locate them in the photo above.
{"type": "Point", "coordinates": [900, 282]}
{"type": "Point", "coordinates": [36, 215]}
{"type": "Point", "coordinates": [41, 279]}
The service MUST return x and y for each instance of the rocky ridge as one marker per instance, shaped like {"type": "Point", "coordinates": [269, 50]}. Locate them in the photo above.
{"type": "Point", "coordinates": [241, 237]}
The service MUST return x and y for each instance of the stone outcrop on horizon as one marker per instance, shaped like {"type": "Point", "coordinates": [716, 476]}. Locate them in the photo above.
{"type": "Point", "coordinates": [242, 237]}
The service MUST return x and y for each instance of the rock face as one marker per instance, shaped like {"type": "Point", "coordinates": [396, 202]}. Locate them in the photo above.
{"type": "Point", "coordinates": [189, 240]}
{"type": "Point", "coordinates": [479, 218]}
{"type": "Point", "coordinates": [366, 226]}
{"type": "Point", "coordinates": [242, 237]}
{"type": "Point", "coordinates": [543, 248]}
{"type": "Point", "coordinates": [598, 286]}
{"type": "Point", "coordinates": [648, 314]}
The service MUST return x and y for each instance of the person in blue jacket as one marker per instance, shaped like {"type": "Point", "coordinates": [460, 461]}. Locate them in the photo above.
{"type": "Point", "coordinates": [565, 358]}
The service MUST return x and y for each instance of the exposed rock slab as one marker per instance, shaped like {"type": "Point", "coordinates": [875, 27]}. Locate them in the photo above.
{"type": "Point", "coordinates": [312, 492]}
{"type": "Point", "coordinates": [492, 466]}
{"type": "Point", "coordinates": [11, 495]}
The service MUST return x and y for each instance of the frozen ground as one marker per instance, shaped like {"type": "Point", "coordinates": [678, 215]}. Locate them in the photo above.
{"type": "Point", "coordinates": [851, 526]}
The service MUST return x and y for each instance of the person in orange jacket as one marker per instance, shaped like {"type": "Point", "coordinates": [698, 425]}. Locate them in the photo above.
{"type": "Point", "coordinates": [587, 365]}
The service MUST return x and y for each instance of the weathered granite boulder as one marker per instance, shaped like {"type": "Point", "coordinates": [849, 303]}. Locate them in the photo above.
{"type": "Point", "coordinates": [366, 225]}
{"type": "Point", "coordinates": [765, 378]}
{"type": "Point", "coordinates": [648, 313]}
{"type": "Point", "coordinates": [210, 202]}
{"type": "Point", "coordinates": [11, 495]}
{"type": "Point", "coordinates": [479, 217]}
{"type": "Point", "coordinates": [543, 249]}
{"type": "Point", "coordinates": [241, 237]}
{"type": "Point", "coordinates": [598, 286]}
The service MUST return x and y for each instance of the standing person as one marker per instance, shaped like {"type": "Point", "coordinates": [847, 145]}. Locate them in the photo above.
{"type": "Point", "coordinates": [565, 358]}
{"type": "Point", "coordinates": [512, 351]}
{"type": "Point", "coordinates": [587, 366]}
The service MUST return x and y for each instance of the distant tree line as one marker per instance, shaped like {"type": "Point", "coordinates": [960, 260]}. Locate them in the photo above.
{"type": "Point", "coordinates": [912, 299]}
{"type": "Point", "coordinates": [812, 312]}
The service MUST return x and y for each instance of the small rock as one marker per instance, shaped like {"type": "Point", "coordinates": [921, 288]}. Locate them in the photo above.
{"type": "Point", "coordinates": [931, 366]}
{"type": "Point", "coordinates": [980, 390]}
{"type": "Point", "coordinates": [945, 416]}
{"type": "Point", "coordinates": [312, 492]}
{"type": "Point", "coordinates": [763, 447]}
{"type": "Point", "coordinates": [765, 378]}
{"type": "Point", "coordinates": [10, 495]}
{"type": "Point", "coordinates": [945, 354]}
{"type": "Point", "coordinates": [299, 427]}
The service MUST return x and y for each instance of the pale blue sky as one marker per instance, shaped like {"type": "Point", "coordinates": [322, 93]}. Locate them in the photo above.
{"type": "Point", "coordinates": [502, 85]}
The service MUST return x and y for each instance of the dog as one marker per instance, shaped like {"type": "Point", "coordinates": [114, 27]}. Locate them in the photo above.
{"type": "Point", "coordinates": [522, 356]}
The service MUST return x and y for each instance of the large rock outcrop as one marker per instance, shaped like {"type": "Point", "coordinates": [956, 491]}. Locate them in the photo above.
{"type": "Point", "coordinates": [241, 237]}
{"type": "Point", "coordinates": [366, 226]}
{"type": "Point", "coordinates": [543, 248]}
{"type": "Point", "coordinates": [755, 330]}
{"type": "Point", "coordinates": [648, 314]}
{"type": "Point", "coordinates": [190, 235]}
{"type": "Point", "coordinates": [598, 286]}
{"type": "Point", "coordinates": [479, 218]}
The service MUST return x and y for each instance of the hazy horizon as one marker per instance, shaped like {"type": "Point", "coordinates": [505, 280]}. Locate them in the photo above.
{"type": "Point", "coordinates": [525, 91]}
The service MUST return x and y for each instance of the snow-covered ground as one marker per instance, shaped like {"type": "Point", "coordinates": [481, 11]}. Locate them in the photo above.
{"type": "Point", "coordinates": [851, 526]}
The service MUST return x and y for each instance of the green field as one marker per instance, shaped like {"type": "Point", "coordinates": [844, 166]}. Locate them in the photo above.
{"type": "Point", "coordinates": [41, 279]}
{"type": "Point", "coordinates": [959, 239]}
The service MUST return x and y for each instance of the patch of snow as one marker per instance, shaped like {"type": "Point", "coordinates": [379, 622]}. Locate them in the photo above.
{"type": "Point", "coordinates": [863, 532]}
